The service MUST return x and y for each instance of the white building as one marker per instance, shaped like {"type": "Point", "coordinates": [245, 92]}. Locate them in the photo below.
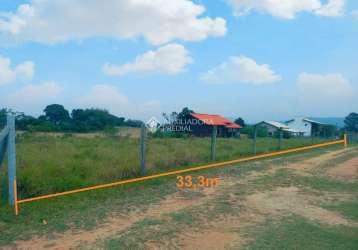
{"type": "Point", "coordinates": [297, 127]}
{"type": "Point", "coordinates": [273, 127]}
{"type": "Point", "coordinates": [305, 125]}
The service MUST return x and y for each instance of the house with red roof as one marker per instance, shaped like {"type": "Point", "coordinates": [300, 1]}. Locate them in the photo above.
{"type": "Point", "coordinates": [202, 125]}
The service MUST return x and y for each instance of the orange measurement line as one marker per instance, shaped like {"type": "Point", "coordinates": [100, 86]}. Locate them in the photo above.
{"type": "Point", "coordinates": [178, 172]}
{"type": "Point", "coordinates": [16, 202]}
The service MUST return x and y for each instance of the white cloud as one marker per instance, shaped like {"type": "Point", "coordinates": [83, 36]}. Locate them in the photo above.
{"type": "Point", "coordinates": [330, 92]}
{"type": "Point", "coordinates": [32, 98]}
{"type": "Point", "coordinates": [170, 59]}
{"type": "Point", "coordinates": [112, 99]}
{"type": "Point", "coordinates": [103, 96]}
{"type": "Point", "coordinates": [288, 9]}
{"type": "Point", "coordinates": [9, 75]}
{"type": "Point", "coordinates": [13, 23]}
{"type": "Point", "coordinates": [25, 69]}
{"type": "Point", "coordinates": [34, 93]}
{"type": "Point", "coordinates": [355, 14]}
{"type": "Point", "coordinates": [332, 8]}
{"type": "Point", "coordinates": [158, 21]}
{"type": "Point", "coordinates": [241, 69]}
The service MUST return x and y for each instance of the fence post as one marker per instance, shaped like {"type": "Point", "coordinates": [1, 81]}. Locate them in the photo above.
{"type": "Point", "coordinates": [213, 143]}
{"type": "Point", "coordinates": [345, 139]}
{"type": "Point", "coordinates": [11, 153]}
{"type": "Point", "coordinates": [254, 139]}
{"type": "Point", "coordinates": [3, 144]}
{"type": "Point", "coordinates": [16, 205]}
{"type": "Point", "coordinates": [280, 139]}
{"type": "Point", "coordinates": [143, 135]}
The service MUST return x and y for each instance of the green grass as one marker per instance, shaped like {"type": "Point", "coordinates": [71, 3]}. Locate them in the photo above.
{"type": "Point", "coordinates": [286, 233]}
{"type": "Point", "coordinates": [297, 233]}
{"type": "Point", "coordinates": [80, 211]}
{"type": "Point", "coordinates": [287, 177]}
{"type": "Point", "coordinates": [142, 232]}
{"type": "Point", "coordinates": [48, 164]}
{"type": "Point", "coordinates": [349, 208]}
{"type": "Point", "coordinates": [88, 210]}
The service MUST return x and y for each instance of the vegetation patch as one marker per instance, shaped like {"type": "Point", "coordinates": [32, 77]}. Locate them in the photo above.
{"type": "Point", "coordinates": [298, 233]}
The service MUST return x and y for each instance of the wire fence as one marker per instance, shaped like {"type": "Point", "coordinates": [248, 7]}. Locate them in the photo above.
{"type": "Point", "coordinates": [169, 173]}
{"type": "Point", "coordinates": [352, 137]}
{"type": "Point", "coordinates": [56, 164]}
{"type": "Point", "coordinates": [48, 163]}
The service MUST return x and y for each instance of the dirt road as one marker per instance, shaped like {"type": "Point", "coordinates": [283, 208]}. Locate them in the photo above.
{"type": "Point", "coordinates": [228, 215]}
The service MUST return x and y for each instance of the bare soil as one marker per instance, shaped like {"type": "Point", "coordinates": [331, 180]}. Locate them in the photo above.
{"type": "Point", "coordinates": [346, 171]}
{"type": "Point", "coordinates": [284, 201]}
{"type": "Point", "coordinates": [228, 231]}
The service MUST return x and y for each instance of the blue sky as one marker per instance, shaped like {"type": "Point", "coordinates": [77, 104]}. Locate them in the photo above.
{"type": "Point", "coordinates": [255, 59]}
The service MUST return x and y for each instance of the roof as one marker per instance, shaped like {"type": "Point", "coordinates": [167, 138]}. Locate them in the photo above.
{"type": "Point", "coordinates": [312, 121]}
{"type": "Point", "coordinates": [276, 124]}
{"type": "Point", "coordinates": [215, 120]}
{"type": "Point", "coordinates": [308, 120]}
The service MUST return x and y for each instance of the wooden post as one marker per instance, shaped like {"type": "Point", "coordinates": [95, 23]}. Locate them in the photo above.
{"type": "Point", "coordinates": [213, 143]}
{"type": "Point", "coordinates": [11, 152]}
{"type": "Point", "coordinates": [280, 139]}
{"type": "Point", "coordinates": [16, 205]}
{"type": "Point", "coordinates": [254, 139]}
{"type": "Point", "coordinates": [143, 136]}
{"type": "Point", "coordinates": [345, 140]}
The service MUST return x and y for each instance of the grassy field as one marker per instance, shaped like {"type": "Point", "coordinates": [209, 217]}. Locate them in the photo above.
{"type": "Point", "coordinates": [59, 162]}
{"type": "Point", "coordinates": [292, 202]}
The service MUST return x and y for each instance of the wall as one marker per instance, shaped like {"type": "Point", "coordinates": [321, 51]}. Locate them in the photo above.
{"type": "Point", "coordinates": [301, 125]}
{"type": "Point", "coordinates": [270, 129]}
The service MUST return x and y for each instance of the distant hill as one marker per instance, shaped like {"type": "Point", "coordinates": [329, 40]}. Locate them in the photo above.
{"type": "Point", "coordinates": [339, 121]}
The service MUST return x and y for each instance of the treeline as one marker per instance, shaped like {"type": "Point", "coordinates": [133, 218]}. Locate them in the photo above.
{"type": "Point", "coordinates": [57, 119]}
{"type": "Point", "coordinates": [351, 122]}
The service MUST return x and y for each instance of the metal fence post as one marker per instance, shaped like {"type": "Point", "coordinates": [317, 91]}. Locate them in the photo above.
{"type": "Point", "coordinates": [11, 152]}
{"type": "Point", "coordinates": [143, 135]}
{"type": "Point", "coordinates": [3, 144]}
{"type": "Point", "coordinates": [254, 139]}
{"type": "Point", "coordinates": [213, 143]}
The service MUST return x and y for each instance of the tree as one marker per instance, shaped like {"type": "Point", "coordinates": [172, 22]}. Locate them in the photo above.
{"type": "Point", "coordinates": [91, 119]}
{"type": "Point", "coordinates": [57, 118]}
{"type": "Point", "coordinates": [56, 113]}
{"type": "Point", "coordinates": [240, 122]}
{"type": "Point", "coordinates": [171, 117]}
{"type": "Point", "coordinates": [25, 122]}
{"type": "Point", "coordinates": [184, 113]}
{"type": "Point", "coordinates": [3, 113]}
{"type": "Point", "coordinates": [351, 122]}
{"type": "Point", "coordinates": [84, 120]}
{"type": "Point", "coordinates": [133, 123]}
